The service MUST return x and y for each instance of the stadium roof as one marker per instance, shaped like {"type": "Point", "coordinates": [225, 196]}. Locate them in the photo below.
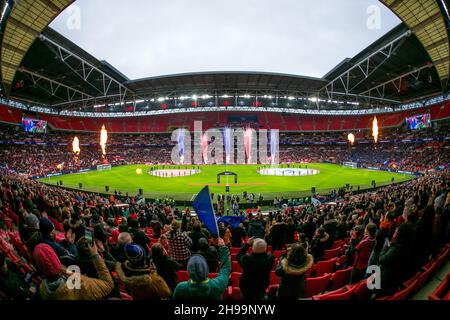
{"type": "Point", "coordinates": [42, 67]}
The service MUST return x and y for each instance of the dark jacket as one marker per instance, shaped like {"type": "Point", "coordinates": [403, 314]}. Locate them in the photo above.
{"type": "Point", "coordinates": [256, 229]}
{"type": "Point", "coordinates": [237, 235]}
{"type": "Point", "coordinates": [278, 234]}
{"type": "Point", "coordinates": [318, 246]}
{"type": "Point", "coordinates": [256, 272]}
{"type": "Point", "coordinates": [167, 268]}
{"type": "Point", "coordinates": [293, 279]}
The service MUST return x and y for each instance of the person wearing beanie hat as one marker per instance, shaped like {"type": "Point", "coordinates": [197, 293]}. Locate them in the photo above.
{"type": "Point", "coordinates": [46, 227]}
{"type": "Point", "coordinates": [139, 277]}
{"type": "Point", "coordinates": [199, 286]}
{"type": "Point", "coordinates": [68, 253]}
{"type": "Point", "coordinates": [30, 234]}
{"type": "Point", "coordinates": [256, 266]}
{"type": "Point", "coordinates": [31, 221]}
{"type": "Point", "coordinates": [56, 284]}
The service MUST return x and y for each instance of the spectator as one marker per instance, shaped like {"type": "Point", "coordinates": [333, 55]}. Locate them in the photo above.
{"type": "Point", "coordinates": [238, 234]}
{"type": "Point", "coordinates": [12, 282]}
{"type": "Point", "coordinates": [139, 277]}
{"type": "Point", "coordinates": [396, 260]}
{"type": "Point", "coordinates": [292, 269]}
{"type": "Point", "coordinates": [319, 244]}
{"type": "Point", "coordinates": [179, 244]}
{"type": "Point", "coordinates": [256, 269]}
{"type": "Point", "coordinates": [362, 254]}
{"type": "Point", "coordinates": [256, 229]}
{"type": "Point", "coordinates": [55, 283]}
{"type": "Point", "coordinates": [118, 251]}
{"type": "Point", "coordinates": [199, 287]}
{"type": "Point", "coordinates": [209, 253]}
{"type": "Point", "coordinates": [278, 234]}
{"type": "Point", "coordinates": [165, 265]}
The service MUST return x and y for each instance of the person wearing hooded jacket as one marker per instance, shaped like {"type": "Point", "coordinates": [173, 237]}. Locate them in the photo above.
{"type": "Point", "coordinates": [56, 282]}
{"type": "Point", "coordinates": [292, 269]}
{"type": "Point", "coordinates": [140, 277]}
{"type": "Point", "coordinates": [199, 287]}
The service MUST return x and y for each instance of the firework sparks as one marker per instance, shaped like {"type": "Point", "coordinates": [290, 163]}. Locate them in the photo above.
{"type": "Point", "coordinates": [375, 131]}
{"type": "Point", "coordinates": [103, 140]}
{"type": "Point", "coordinates": [351, 138]}
{"type": "Point", "coordinates": [76, 148]}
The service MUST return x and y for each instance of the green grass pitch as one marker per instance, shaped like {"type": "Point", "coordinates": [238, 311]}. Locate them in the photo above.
{"type": "Point", "coordinates": [126, 179]}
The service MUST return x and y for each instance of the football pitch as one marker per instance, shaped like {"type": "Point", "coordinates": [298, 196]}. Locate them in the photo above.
{"type": "Point", "coordinates": [126, 179]}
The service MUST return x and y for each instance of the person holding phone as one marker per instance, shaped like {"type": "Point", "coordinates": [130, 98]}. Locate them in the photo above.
{"type": "Point", "coordinates": [55, 286]}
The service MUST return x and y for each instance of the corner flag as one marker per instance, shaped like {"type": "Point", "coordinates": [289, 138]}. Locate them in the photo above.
{"type": "Point", "coordinates": [205, 211]}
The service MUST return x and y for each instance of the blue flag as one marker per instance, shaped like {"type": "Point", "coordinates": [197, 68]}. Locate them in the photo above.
{"type": "Point", "coordinates": [233, 221]}
{"type": "Point", "coordinates": [205, 211]}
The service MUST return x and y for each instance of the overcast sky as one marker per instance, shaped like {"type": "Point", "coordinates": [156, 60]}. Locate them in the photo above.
{"type": "Point", "coordinates": [144, 38]}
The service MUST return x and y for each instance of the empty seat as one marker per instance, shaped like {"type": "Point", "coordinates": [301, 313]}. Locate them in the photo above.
{"type": "Point", "coordinates": [182, 276]}
{"type": "Point", "coordinates": [340, 278]}
{"type": "Point", "coordinates": [340, 294]}
{"type": "Point", "coordinates": [331, 253]}
{"type": "Point", "coordinates": [316, 285]}
{"type": "Point", "coordinates": [323, 267]}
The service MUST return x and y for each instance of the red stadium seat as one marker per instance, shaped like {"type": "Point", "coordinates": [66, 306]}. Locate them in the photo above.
{"type": "Point", "coordinates": [331, 253]}
{"type": "Point", "coordinates": [236, 267]}
{"type": "Point", "coordinates": [403, 294]}
{"type": "Point", "coordinates": [274, 279]}
{"type": "Point", "coordinates": [323, 267]}
{"type": "Point", "coordinates": [272, 291]}
{"type": "Point", "coordinates": [235, 277]}
{"type": "Point", "coordinates": [316, 285]}
{"type": "Point", "coordinates": [340, 278]}
{"type": "Point", "coordinates": [442, 291]}
{"type": "Point", "coordinates": [182, 276]}
{"type": "Point", "coordinates": [278, 253]}
{"type": "Point", "coordinates": [362, 292]}
{"type": "Point", "coordinates": [340, 294]}
{"type": "Point", "coordinates": [232, 293]}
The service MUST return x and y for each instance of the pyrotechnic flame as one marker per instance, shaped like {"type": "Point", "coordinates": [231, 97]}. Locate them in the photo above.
{"type": "Point", "coordinates": [375, 131]}
{"type": "Point", "coordinates": [76, 146]}
{"type": "Point", "coordinates": [103, 139]}
{"type": "Point", "coordinates": [351, 138]}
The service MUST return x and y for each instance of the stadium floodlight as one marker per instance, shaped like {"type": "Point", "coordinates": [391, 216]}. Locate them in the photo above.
{"type": "Point", "coordinates": [313, 99]}
{"type": "Point", "coordinates": [161, 99]}
{"type": "Point", "coordinates": [206, 96]}
{"type": "Point", "coordinates": [194, 97]}
{"type": "Point", "coordinates": [291, 98]}
{"type": "Point", "coordinates": [225, 96]}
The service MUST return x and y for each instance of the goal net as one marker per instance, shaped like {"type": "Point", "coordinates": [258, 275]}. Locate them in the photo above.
{"type": "Point", "coordinates": [103, 167]}
{"type": "Point", "coordinates": [349, 164]}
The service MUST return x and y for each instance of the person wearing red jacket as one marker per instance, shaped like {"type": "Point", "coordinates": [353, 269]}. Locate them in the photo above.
{"type": "Point", "coordinates": [363, 251]}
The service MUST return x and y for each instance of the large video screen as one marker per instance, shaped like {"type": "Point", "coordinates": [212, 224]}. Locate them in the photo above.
{"type": "Point", "coordinates": [419, 122]}
{"type": "Point", "coordinates": [34, 125]}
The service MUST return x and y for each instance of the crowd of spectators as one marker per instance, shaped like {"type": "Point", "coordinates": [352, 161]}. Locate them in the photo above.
{"type": "Point", "coordinates": [127, 248]}
{"type": "Point", "coordinates": [39, 155]}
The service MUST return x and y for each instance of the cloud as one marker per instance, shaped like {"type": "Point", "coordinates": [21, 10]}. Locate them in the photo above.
{"type": "Point", "coordinates": [143, 38]}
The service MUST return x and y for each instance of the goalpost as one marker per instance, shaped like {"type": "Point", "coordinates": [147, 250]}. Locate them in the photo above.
{"type": "Point", "coordinates": [103, 167]}
{"type": "Point", "coordinates": [350, 164]}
